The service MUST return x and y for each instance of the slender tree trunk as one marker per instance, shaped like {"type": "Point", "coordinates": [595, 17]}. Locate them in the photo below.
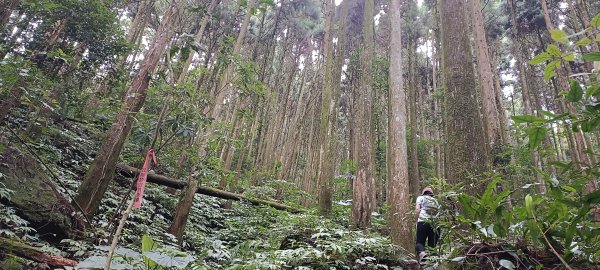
{"type": "Point", "coordinates": [415, 177]}
{"type": "Point", "coordinates": [328, 108]}
{"type": "Point", "coordinates": [363, 186]}
{"type": "Point", "coordinates": [102, 169]}
{"type": "Point", "coordinates": [398, 190]}
{"type": "Point", "coordinates": [439, 160]}
{"type": "Point", "coordinates": [466, 152]}
{"type": "Point", "coordinates": [177, 227]}
{"type": "Point", "coordinates": [490, 111]}
{"type": "Point", "coordinates": [197, 39]}
{"type": "Point", "coordinates": [223, 90]}
{"type": "Point", "coordinates": [562, 76]}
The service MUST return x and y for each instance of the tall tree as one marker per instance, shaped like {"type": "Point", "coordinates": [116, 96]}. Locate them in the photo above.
{"type": "Point", "coordinates": [491, 113]}
{"type": "Point", "coordinates": [364, 186]}
{"type": "Point", "coordinates": [412, 97]}
{"type": "Point", "coordinates": [465, 147]}
{"type": "Point", "coordinates": [398, 190]}
{"type": "Point", "coordinates": [328, 108]}
{"type": "Point", "coordinates": [102, 169]}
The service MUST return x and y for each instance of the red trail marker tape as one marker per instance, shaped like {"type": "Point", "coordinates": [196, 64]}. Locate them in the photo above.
{"type": "Point", "coordinates": [141, 182]}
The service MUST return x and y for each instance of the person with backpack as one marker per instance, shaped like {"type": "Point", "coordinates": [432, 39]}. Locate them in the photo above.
{"type": "Point", "coordinates": [427, 209]}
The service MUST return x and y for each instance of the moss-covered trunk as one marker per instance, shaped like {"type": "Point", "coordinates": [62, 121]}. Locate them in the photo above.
{"type": "Point", "coordinates": [364, 186]}
{"type": "Point", "coordinates": [465, 147]}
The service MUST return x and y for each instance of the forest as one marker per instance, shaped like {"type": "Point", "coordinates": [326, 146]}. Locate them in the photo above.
{"type": "Point", "coordinates": [299, 134]}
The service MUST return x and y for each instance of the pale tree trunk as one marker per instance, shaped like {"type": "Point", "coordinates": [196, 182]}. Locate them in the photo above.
{"type": "Point", "coordinates": [102, 169]}
{"type": "Point", "coordinates": [330, 149]}
{"type": "Point", "coordinates": [197, 39]}
{"type": "Point", "coordinates": [309, 172]}
{"type": "Point", "coordinates": [184, 205]}
{"type": "Point", "coordinates": [490, 111]}
{"type": "Point", "coordinates": [465, 148]}
{"type": "Point", "coordinates": [505, 131]}
{"type": "Point", "coordinates": [415, 178]}
{"type": "Point", "coordinates": [290, 143]}
{"type": "Point", "coordinates": [277, 127]}
{"type": "Point", "coordinates": [223, 90]}
{"type": "Point", "coordinates": [398, 190]}
{"type": "Point", "coordinates": [363, 186]}
{"type": "Point", "coordinates": [439, 160]}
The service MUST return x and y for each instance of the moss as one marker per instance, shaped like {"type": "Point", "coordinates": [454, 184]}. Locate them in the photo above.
{"type": "Point", "coordinates": [11, 263]}
{"type": "Point", "coordinates": [35, 196]}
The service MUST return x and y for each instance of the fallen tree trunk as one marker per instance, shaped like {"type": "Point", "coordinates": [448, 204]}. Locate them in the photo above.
{"type": "Point", "coordinates": [26, 251]}
{"type": "Point", "coordinates": [129, 171]}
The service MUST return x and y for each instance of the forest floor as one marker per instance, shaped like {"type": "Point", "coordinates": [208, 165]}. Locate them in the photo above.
{"type": "Point", "coordinates": [243, 237]}
{"type": "Point", "coordinates": [35, 156]}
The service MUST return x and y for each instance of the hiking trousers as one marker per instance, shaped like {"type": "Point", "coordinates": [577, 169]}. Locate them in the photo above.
{"type": "Point", "coordinates": [425, 232]}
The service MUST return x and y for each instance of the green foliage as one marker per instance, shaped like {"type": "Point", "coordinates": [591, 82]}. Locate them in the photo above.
{"type": "Point", "coordinates": [153, 256]}
{"type": "Point", "coordinates": [263, 238]}
{"type": "Point", "coordinates": [91, 23]}
{"type": "Point", "coordinates": [561, 219]}
{"type": "Point", "coordinates": [486, 213]}
{"type": "Point", "coordinates": [11, 225]}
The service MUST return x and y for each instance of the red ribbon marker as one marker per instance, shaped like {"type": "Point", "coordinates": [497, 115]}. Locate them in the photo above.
{"type": "Point", "coordinates": [141, 182]}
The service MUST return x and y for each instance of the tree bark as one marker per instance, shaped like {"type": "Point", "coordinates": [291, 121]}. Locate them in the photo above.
{"type": "Point", "coordinates": [415, 177]}
{"type": "Point", "coordinates": [184, 206]}
{"type": "Point", "coordinates": [486, 78]}
{"type": "Point", "coordinates": [363, 186]}
{"type": "Point", "coordinates": [328, 107]}
{"type": "Point", "coordinates": [465, 148]}
{"type": "Point", "coordinates": [32, 253]}
{"type": "Point", "coordinates": [398, 184]}
{"type": "Point", "coordinates": [101, 171]}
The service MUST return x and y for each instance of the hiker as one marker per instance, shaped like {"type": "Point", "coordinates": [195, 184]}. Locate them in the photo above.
{"type": "Point", "coordinates": [426, 207]}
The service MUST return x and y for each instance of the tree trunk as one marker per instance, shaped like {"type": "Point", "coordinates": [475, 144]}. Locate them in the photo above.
{"type": "Point", "coordinates": [197, 39]}
{"type": "Point", "coordinates": [129, 171]}
{"type": "Point", "coordinates": [486, 78]}
{"type": "Point", "coordinates": [183, 210]}
{"type": "Point", "coordinates": [363, 186]}
{"type": "Point", "coordinates": [415, 178]}
{"type": "Point", "coordinates": [102, 168]}
{"type": "Point", "coordinates": [133, 37]}
{"type": "Point", "coordinates": [223, 91]}
{"type": "Point", "coordinates": [398, 185]}
{"type": "Point", "coordinates": [562, 76]}
{"type": "Point", "coordinates": [32, 253]}
{"type": "Point", "coordinates": [465, 148]}
{"type": "Point", "coordinates": [328, 108]}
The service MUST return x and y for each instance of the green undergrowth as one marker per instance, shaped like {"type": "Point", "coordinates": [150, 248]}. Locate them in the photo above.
{"type": "Point", "coordinates": [243, 237]}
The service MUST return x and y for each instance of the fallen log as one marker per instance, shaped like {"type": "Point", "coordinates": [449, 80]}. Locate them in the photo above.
{"type": "Point", "coordinates": [129, 171]}
{"type": "Point", "coordinates": [26, 251]}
